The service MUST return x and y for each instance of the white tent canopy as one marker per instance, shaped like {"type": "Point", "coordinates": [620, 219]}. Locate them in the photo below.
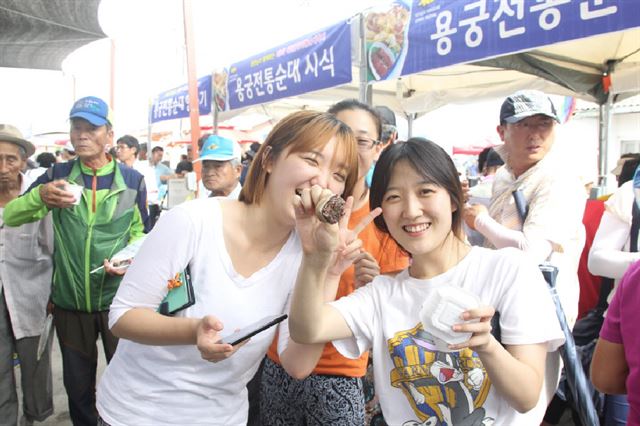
{"type": "Point", "coordinates": [572, 68]}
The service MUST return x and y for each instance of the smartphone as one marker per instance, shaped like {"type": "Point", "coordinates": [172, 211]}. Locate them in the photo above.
{"type": "Point", "coordinates": [253, 329]}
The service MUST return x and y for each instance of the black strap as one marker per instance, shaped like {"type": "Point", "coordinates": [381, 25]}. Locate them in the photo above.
{"type": "Point", "coordinates": [635, 227]}
{"type": "Point", "coordinates": [521, 204]}
{"type": "Point", "coordinates": [606, 285]}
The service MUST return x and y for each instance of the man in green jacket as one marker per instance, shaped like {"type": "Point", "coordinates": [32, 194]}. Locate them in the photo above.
{"type": "Point", "coordinates": [104, 215]}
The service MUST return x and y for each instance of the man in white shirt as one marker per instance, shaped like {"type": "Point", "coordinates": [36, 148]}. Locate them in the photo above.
{"type": "Point", "coordinates": [127, 149]}
{"type": "Point", "coordinates": [552, 229]}
{"type": "Point", "coordinates": [221, 167]}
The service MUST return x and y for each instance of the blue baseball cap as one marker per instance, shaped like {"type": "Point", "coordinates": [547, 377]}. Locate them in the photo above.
{"type": "Point", "coordinates": [219, 149]}
{"type": "Point", "coordinates": [94, 110]}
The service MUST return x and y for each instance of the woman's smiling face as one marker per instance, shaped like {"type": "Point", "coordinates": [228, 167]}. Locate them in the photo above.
{"type": "Point", "coordinates": [293, 172]}
{"type": "Point", "coordinates": [417, 212]}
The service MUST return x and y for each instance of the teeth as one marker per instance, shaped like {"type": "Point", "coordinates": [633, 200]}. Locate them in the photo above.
{"type": "Point", "coordinates": [298, 192]}
{"type": "Point", "coordinates": [417, 228]}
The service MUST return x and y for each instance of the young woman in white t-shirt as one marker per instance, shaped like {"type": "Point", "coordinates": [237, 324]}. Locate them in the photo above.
{"type": "Point", "coordinates": [243, 256]}
{"type": "Point", "coordinates": [479, 382]}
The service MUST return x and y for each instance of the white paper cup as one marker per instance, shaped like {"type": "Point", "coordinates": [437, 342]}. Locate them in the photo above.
{"type": "Point", "coordinates": [76, 190]}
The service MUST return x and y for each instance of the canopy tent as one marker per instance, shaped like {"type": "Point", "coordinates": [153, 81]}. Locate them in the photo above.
{"type": "Point", "coordinates": [603, 69]}
{"type": "Point", "coordinates": [39, 34]}
{"type": "Point", "coordinates": [573, 68]}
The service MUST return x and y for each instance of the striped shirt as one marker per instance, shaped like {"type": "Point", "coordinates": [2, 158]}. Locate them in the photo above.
{"type": "Point", "coordinates": [25, 272]}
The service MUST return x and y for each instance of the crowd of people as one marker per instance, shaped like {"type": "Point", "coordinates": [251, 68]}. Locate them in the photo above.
{"type": "Point", "coordinates": [356, 348]}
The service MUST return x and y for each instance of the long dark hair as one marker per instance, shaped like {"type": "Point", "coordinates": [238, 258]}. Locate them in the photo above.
{"type": "Point", "coordinates": [428, 160]}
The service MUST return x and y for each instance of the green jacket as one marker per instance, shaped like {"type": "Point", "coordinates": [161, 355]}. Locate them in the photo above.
{"type": "Point", "coordinates": [84, 237]}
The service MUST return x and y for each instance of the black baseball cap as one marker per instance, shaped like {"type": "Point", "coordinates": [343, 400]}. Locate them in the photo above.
{"type": "Point", "coordinates": [385, 113]}
{"type": "Point", "coordinates": [526, 103]}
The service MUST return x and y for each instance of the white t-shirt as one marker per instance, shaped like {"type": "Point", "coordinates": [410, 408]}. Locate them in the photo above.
{"type": "Point", "coordinates": [418, 385]}
{"type": "Point", "coordinates": [150, 181]}
{"type": "Point", "coordinates": [610, 254]}
{"type": "Point", "coordinates": [173, 385]}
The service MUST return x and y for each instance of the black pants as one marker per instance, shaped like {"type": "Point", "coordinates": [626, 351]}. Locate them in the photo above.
{"type": "Point", "coordinates": [78, 333]}
{"type": "Point", "coordinates": [154, 214]}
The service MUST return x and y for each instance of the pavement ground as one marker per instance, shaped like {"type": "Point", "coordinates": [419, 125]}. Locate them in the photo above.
{"type": "Point", "coordinates": [60, 416]}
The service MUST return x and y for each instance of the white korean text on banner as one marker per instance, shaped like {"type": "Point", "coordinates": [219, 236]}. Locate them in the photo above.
{"type": "Point", "coordinates": [175, 103]}
{"type": "Point", "coordinates": [408, 37]}
{"type": "Point", "coordinates": [313, 62]}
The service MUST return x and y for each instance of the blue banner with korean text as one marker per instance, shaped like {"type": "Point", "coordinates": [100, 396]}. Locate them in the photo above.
{"type": "Point", "coordinates": [407, 36]}
{"type": "Point", "coordinates": [174, 103]}
{"type": "Point", "coordinates": [313, 62]}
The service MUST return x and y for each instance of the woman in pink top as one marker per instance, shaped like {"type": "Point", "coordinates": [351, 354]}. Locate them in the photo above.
{"type": "Point", "coordinates": [615, 368]}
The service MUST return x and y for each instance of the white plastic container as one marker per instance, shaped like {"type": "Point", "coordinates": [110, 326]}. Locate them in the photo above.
{"type": "Point", "coordinates": [442, 310]}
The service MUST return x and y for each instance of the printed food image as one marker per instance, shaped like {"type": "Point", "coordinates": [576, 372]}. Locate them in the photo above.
{"type": "Point", "coordinates": [381, 60]}
{"type": "Point", "coordinates": [385, 34]}
{"type": "Point", "coordinates": [220, 87]}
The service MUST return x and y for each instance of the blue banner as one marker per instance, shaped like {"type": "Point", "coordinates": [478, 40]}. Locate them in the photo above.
{"type": "Point", "coordinates": [427, 34]}
{"type": "Point", "coordinates": [313, 62]}
{"type": "Point", "coordinates": [175, 103]}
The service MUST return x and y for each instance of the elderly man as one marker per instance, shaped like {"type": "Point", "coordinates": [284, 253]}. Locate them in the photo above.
{"type": "Point", "coordinates": [221, 167]}
{"type": "Point", "coordinates": [552, 229]}
{"type": "Point", "coordinates": [90, 226]}
{"type": "Point", "coordinates": [25, 285]}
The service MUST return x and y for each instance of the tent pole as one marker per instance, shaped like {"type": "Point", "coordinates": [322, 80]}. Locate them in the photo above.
{"type": "Point", "coordinates": [149, 124]}
{"type": "Point", "coordinates": [194, 111]}
{"type": "Point", "coordinates": [604, 125]}
{"type": "Point", "coordinates": [112, 75]}
{"type": "Point", "coordinates": [364, 94]}
{"type": "Point", "coordinates": [214, 106]}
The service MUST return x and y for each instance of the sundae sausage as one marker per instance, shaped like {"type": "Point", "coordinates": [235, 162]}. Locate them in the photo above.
{"type": "Point", "coordinates": [331, 209]}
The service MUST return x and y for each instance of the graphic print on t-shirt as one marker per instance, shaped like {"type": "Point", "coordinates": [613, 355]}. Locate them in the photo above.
{"type": "Point", "coordinates": [443, 388]}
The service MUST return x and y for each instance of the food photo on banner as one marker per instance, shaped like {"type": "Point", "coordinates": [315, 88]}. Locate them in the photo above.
{"type": "Point", "coordinates": [408, 37]}
{"type": "Point", "coordinates": [316, 61]}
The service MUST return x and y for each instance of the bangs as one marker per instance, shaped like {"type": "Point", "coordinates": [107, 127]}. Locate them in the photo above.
{"type": "Point", "coordinates": [426, 174]}
{"type": "Point", "coordinates": [302, 131]}
{"type": "Point", "coordinates": [430, 162]}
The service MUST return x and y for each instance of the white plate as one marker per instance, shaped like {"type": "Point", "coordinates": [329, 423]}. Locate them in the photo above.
{"type": "Point", "coordinates": [382, 47]}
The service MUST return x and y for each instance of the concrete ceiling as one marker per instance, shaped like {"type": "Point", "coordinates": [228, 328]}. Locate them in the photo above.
{"type": "Point", "coordinates": [39, 34]}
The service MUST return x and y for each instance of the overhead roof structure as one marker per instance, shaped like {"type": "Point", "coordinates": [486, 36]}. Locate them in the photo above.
{"type": "Point", "coordinates": [39, 34]}
{"type": "Point", "coordinates": [571, 68]}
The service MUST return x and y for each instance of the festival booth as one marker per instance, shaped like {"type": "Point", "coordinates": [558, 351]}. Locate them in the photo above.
{"type": "Point", "coordinates": [437, 52]}
{"type": "Point", "coordinates": [416, 56]}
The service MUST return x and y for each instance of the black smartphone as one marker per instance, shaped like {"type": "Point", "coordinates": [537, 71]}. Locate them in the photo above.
{"type": "Point", "coordinates": [253, 329]}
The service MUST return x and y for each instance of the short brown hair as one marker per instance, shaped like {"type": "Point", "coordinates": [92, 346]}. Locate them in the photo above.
{"type": "Point", "coordinates": [299, 132]}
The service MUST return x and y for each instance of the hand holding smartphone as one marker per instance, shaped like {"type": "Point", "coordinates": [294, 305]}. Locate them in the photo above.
{"type": "Point", "coordinates": [253, 329]}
